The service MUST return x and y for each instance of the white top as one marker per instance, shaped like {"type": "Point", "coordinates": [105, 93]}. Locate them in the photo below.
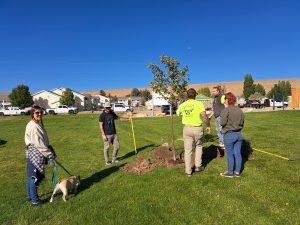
{"type": "Point", "coordinates": [36, 135]}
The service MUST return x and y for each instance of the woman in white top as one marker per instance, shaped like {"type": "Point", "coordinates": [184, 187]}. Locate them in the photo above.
{"type": "Point", "coordinates": [38, 151]}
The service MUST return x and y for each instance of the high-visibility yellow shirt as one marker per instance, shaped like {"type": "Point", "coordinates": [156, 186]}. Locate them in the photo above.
{"type": "Point", "coordinates": [190, 111]}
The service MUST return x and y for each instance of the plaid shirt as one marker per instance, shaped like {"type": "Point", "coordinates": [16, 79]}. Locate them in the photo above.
{"type": "Point", "coordinates": [36, 158]}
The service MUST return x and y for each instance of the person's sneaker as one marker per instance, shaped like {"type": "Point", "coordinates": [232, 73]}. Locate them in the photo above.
{"type": "Point", "coordinates": [222, 145]}
{"type": "Point", "coordinates": [199, 169]}
{"type": "Point", "coordinates": [236, 174]}
{"type": "Point", "coordinates": [188, 175]}
{"type": "Point", "coordinates": [37, 203]}
{"type": "Point", "coordinates": [108, 163]}
{"type": "Point", "coordinates": [115, 161]}
{"type": "Point", "coordinates": [226, 174]}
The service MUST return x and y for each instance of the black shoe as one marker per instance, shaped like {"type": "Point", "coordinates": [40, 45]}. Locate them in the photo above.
{"type": "Point", "coordinates": [199, 169]}
{"type": "Point", "coordinates": [38, 203]}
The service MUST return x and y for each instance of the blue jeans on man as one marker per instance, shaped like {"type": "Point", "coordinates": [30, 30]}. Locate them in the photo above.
{"type": "Point", "coordinates": [219, 129]}
{"type": "Point", "coordinates": [233, 143]}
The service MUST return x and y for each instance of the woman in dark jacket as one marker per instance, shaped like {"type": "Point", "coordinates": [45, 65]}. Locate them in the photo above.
{"type": "Point", "coordinates": [232, 122]}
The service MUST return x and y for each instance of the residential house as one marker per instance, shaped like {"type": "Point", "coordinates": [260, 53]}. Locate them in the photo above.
{"type": "Point", "coordinates": [99, 100]}
{"type": "Point", "coordinates": [46, 99]}
{"type": "Point", "coordinates": [51, 99]}
{"type": "Point", "coordinates": [80, 99]}
{"type": "Point", "coordinates": [132, 100]}
{"type": "Point", "coordinates": [4, 100]}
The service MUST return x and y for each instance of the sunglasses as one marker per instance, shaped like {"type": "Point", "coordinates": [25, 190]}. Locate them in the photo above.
{"type": "Point", "coordinates": [38, 113]}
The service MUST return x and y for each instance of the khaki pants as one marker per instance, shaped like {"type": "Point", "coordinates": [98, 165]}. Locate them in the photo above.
{"type": "Point", "coordinates": [192, 135]}
{"type": "Point", "coordinates": [111, 139]}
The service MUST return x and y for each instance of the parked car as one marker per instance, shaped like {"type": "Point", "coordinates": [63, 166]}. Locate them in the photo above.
{"type": "Point", "coordinates": [62, 109]}
{"type": "Point", "coordinates": [166, 109]}
{"type": "Point", "coordinates": [120, 107]}
{"type": "Point", "coordinates": [12, 111]}
{"type": "Point", "coordinates": [270, 102]}
{"type": "Point", "coordinates": [241, 102]}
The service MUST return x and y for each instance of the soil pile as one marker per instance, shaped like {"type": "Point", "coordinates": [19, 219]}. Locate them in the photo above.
{"type": "Point", "coordinates": [161, 156]}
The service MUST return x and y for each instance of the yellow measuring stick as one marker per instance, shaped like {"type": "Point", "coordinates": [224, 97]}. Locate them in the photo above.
{"type": "Point", "coordinates": [270, 153]}
{"type": "Point", "coordinates": [130, 115]}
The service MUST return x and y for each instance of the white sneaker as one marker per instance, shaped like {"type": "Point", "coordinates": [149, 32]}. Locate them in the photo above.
{"type": "Point", "coordinates": [108, 163]}
{"type": "Point", "coordinates": [115, 161]}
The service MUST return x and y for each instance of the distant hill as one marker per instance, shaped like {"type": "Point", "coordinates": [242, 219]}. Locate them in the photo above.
{"type": "Point", "coordinates": [235, 86]}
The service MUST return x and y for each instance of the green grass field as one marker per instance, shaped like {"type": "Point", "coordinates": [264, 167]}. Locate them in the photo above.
{"type": "Point", "coordinates": [268, 192]}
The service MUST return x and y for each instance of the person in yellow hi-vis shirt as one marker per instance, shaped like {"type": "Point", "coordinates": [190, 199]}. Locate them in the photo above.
{"type": "Point", "coordinates": [193, 115]}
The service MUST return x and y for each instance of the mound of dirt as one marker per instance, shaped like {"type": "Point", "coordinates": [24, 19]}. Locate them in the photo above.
{"type": "Point", "coordinates": [161, 156]}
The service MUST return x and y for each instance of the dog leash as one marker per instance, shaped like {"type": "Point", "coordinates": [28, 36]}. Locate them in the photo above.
{"type": "Point", "coordinates": [54, 162]}
{"type": "Point", "coordinates": [58, 163]}
{"type": "Point", "coordinates": [54, 174]}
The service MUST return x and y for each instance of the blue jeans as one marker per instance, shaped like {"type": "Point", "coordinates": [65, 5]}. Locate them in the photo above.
{"type": "Point", "coordinates": [32, 191]}
{"type": "Point", "coordinates": [219, 129]}
{"type": "Point", "coordinates": [34, 177]}
{"type": "Point", "coordinates": [233, 143]}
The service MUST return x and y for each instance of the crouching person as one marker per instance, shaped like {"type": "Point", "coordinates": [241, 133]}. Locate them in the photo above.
{"type": "Point", "coordinates": [38, 151]}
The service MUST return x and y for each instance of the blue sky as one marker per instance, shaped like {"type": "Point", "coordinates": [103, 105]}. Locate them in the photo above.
{"type": "Point", "coordinates": [101, 44]}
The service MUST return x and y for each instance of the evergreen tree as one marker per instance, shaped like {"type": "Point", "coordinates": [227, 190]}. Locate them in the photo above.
{"type": "Point", "coordinates": [258, 88]}
{"type": "Point", "coordinates": [67, 98]}
{"type": "Point", "coordinates": [21, 97]}
{"type": "Point", "coordinates": [282, 89]}
{"type": "Point", "coordinates": [249, 87]}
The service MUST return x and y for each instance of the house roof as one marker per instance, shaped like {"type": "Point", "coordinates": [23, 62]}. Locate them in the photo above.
{"type": "Point", "coordinates": [50, 92]}
{"type": "Point", "coordinates": [63, 89]}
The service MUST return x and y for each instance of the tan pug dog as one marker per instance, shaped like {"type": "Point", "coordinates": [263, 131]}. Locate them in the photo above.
{"type": "Point", "coordinates": [68, 184]}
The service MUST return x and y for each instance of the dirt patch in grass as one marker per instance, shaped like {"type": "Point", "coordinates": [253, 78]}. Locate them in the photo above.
{"type": "Point", "coordinates": [161, 156]}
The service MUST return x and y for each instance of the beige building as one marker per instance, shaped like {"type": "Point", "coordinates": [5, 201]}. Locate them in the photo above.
{"type": "Point", "coordinates": [46, 99]}
{"type": "Point", "coordinates": [50, 99]}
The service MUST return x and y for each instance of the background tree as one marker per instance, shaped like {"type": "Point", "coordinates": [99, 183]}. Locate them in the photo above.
{"type": "Point", "coordinates": [146, 94]}
{"type": "Point", "coordinates": [67, 98]}
{"type": "Point", "coordinates": [282, 89]}
{"type": "Point", "coordinates": [256, 96]}
{"type": "Point", "coordinates": [102, 92]}
{"type": "Point", "coordinates": [142, 101]}
{"type": "Point", "coordinates": [135, 92]}
{"type": "Point", "coordinates": [258, 88]}
{"type": "Point", "coordinates": [249, 87]}
{"type": "Point", "coordinates": [114, 98]}
{"type": "Point", "coordinates": [204, 91]}
{"type": "Point", "coordinates": [21, 97]}
{"type": "Point", "coordinates": [89, 103]}
{"type": "Point", "coordinates": [170, 84]}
